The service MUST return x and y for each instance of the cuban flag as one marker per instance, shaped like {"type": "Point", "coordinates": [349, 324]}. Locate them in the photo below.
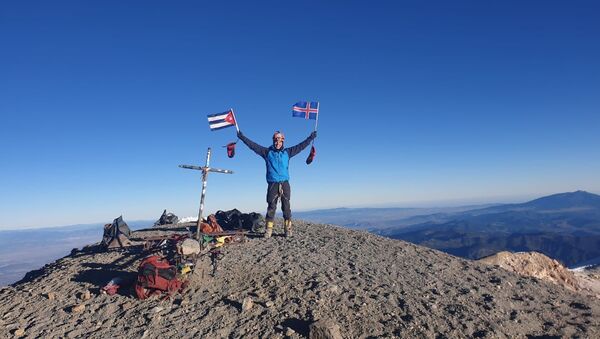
{"type": "Point", "coordinates": [221, 120]}
{"type": "Point", "coordinates": [306, 110]}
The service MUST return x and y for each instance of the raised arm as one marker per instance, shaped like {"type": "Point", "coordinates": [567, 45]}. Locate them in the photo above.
{"type": "Point", "coordinates": [298, 148]}
{"type": "Point", "coordinates": [258, 149]}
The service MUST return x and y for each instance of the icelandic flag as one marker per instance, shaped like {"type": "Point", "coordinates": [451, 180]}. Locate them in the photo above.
{"type": "Point", "coordinates": [221, 120]}
{"type": "Point", "coordinates": [306, 110]}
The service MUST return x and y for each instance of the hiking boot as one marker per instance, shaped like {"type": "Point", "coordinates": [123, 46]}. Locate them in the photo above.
{"type": "Point", "coordinates": [287, 226]}
{"type": "Point", "coordinates": [269, 230]}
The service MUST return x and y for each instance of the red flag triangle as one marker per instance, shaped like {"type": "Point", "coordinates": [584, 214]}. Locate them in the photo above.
{"type": "Point", "coordinates": [229, 118]}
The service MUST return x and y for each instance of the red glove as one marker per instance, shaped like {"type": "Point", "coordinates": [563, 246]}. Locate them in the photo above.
{"type": "Point", "coordinates": [311, 156]}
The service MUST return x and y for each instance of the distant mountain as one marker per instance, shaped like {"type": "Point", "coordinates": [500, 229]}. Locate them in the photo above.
{"type": "Point", "coordinates": [578, 199]}
{"type": "Point", "coordinates": [377, 218]}
{"type": "Point", "coordinates": [564, 226]}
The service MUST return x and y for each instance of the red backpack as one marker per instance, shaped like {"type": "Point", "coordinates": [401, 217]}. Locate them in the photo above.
{"type": "Point", "coordinates": [157, 276]}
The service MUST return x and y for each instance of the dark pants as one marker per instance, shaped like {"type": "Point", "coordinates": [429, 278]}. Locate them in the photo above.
{"type": "Point", "coordinates": [276, 191]}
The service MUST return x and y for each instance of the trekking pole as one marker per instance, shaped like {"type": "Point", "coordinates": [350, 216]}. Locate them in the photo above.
{"type": "Point", "coordinates": [214, 258]}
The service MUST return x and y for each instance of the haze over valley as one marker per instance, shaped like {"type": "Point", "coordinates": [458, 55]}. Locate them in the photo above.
{"type": "Point", "coordinates": [563, 226]}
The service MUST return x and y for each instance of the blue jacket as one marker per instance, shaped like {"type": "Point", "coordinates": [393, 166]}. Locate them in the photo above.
{"type": "Point", "coordinates": [277, 161]}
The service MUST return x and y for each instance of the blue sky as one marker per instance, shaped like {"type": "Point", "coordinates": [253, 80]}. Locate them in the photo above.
{"type": "Point", "coordinates": [421, 103]}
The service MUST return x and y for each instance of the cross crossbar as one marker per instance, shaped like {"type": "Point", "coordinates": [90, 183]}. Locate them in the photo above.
{"type": "Point", "coordinates": [207, 169]}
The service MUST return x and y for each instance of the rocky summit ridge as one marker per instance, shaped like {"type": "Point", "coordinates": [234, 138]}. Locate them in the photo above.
{"type": "Point", "coordinates": [367, 285]}
{"type": "Point", "coordinates": [536, 265]}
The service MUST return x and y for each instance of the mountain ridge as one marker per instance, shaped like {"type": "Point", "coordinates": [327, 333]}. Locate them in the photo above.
{"type": "Point", "coordinates": [564, 226]}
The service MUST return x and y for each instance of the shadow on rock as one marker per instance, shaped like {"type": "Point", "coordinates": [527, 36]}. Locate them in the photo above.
{"type": "Point", "coordinates": [233, 303]}
{"type": "Point", "coordinates": [298, 325]}
{"type": "Point", "coordinates": [87, 250]}
{"type": "Point", "coordinates": [31, 275]}
{"type": "Point", "coordinates": [99, 275]}
{"type": "Point", "coordinates": [134, 254]}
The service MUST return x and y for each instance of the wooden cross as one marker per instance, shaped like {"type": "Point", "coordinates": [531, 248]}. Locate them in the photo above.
{"type": "Point", "coordinates": [205, 169]}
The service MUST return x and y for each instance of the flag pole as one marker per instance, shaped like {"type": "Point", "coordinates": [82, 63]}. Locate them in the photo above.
{"type": "Point", "coordinates": [311, 156]}
{"type": "Point", "coordinates": [317, 119]}
{"type": "Point", "coordinates": [316, 122]}
{"type": "Point", "coordinates": [234, 118]}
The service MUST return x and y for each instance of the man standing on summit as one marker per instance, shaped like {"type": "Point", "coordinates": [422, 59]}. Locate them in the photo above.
{"type": "Point", "coordinates": [277, 159]}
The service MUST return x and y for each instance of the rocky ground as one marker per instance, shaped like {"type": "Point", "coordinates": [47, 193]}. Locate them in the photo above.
{"type": "Point", "coordinates": [589, 279]}
{"type": "Point", "coordinates": [368, 285]}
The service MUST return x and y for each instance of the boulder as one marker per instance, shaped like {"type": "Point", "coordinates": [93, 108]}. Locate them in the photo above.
{"type": "Point", "coordinates": [534, 264]}
{"type": "Point", "coordinates": [324, 329]}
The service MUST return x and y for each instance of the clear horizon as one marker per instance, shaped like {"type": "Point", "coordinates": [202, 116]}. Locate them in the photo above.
{"type": "Point", "coordinates": [419, 103]}
{"type": "Point", "coordinates": [424, 205]}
